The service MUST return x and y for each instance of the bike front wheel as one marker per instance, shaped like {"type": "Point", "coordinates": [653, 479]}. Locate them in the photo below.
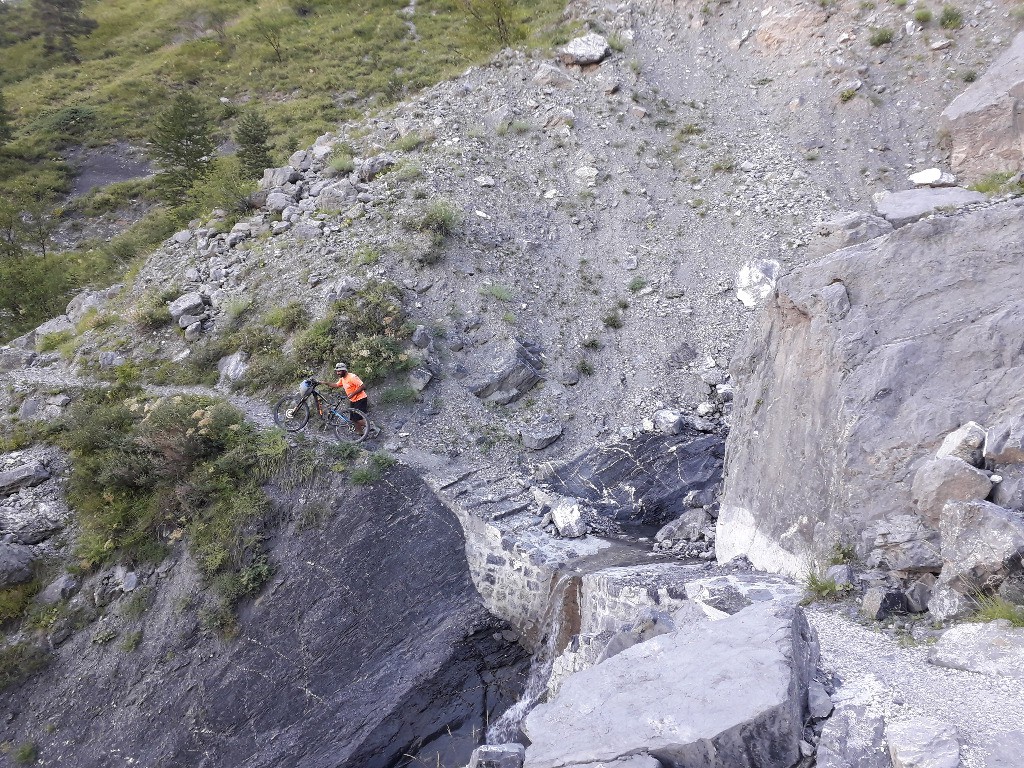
{"type": "Point", "coordinates": [291, 413]}
{"type": "Point", "coordinates": [352, 426]}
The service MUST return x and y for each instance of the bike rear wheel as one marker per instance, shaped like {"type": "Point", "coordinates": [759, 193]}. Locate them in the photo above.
{"type": "Point", "coordinates": [345, 426]}
{"type": "Point", "coordinates": [291, 413]}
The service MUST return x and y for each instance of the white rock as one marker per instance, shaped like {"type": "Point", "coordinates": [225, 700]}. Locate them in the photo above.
{"type": "Point", "coordinates": [756, 280]}
{"type": "Point", "coordinates": [922, 742]}
{"type": "Point", "coordinates": [933, 177]}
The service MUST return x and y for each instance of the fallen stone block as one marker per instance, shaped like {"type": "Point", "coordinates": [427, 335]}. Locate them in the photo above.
{"type": "Point", "coordinates": [947, 479]}
{"type": "Point", "coordinates": [731, 692]}
{"type": "Point", "coordinates": [589, 49]}
{"type": "Point", "coordinates": [982, 544]}
{"type": "Point", "coordinates": [967, 443]}
{"type": "Point", "coordinates": [23, 476]}
{"type": "Point", "coordinates": [994, 648]}
{"type": "Point", "coordinates": [902, 208]}
{"type": "Point", "coordinates": [1004, 443]}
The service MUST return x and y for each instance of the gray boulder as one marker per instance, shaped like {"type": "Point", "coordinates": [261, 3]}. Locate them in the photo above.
{"type": "Point", "coordinates": [567, 515]}
{"type": "Point", "coordinates": [905, 543]}
{"type": "Point", "coordinates": [12, 359]}
{"type": "Point", "coordinates": [967, 443]}
{"type": "Point", "coordinates": [849, 229]}
{"type": "Point", "coordinates": [61, 588]}
{"type": "Point", "coordinates": [1005, 441]}
{"type": "Point", "coordinates": [919, 593]}
{"type": "Point", "coordinates": [187, 304]}
{"type": "Point", "coordinates": [981, 545]}
{"type": "Point", "coordinates": [515, 375]}
{"type": "Point", "coordinates": [59, 324]}
{"type": "Point", "coordinates": [668, 421]}
{"type": "Point", "coordinates": [336, 197]}
{"type": "Point", "coordinates": [278, 201]}
{"type": "Point", "coordinates": [983, 123]}
{"type": "Point", "coordinates": [721, 596]}
{"type": "Point", "coordinates": [540, 435]}
{"type": "Point", "coordinates": [819, 703]}
{"type": "Point", "coordinates": [871, 390]}
{"type": "Point", "coordinates": [589, 49]}
{"type": "Point", "coordinates": [84, 303]}
{"type": "Point", "coordinates": [922, 742]}
{"type": "Point", "coordinates": [371, 167]}
{"type": "Point", "coordinates": [232, 367]}
{"type": "Point", "coordinates": [902, 208]}
{"type": "Point", "coordinates": [689, 526]}
{"type": "Point", "coordinates": [419, 378]}
{"type": "Point", "coordinates": [15, 564]}
{"type": "Point", "coordinates": [947, 479]}
{"type": "Point", "coordinates": [1009, 491]}
{"type": "Point", "coordinates": [23, 476]}
{"type": "Point", "coordinates": [730, 692]}
{"type": "Point", "coordinates": [278, 177]}
{"type": "Point", "coordinates": [854, 737]}
{"type": "Point", "coordinates": [882, 602]}
{"type": "Point", "coordinates": [994, 648]}
{"type": "Point", "coordinates": [551, 76]}
{"type": "Point", "coordinates": [946, 603]}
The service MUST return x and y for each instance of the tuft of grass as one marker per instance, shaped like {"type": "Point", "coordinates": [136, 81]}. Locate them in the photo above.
{"type": "Point", "coordinates": [20, 661]}
{"type": "Point", "coordinates": [995, 608]}
{"type": "Point", "coordinates": [821, 588]}
{"type": "Point", "coordinates": [881, 36]}
{"type": "Point", "coordinates": [637, 284]}
{"type": "Point", "coordinates": [289, 318]}
{"type": "Point", "coordinates": [16, 600]}
{"type": "Point", "coordinates": [25, 753]}
{"type": "Point", "coordinates": [411, 142]}
{"type": "Point", "coordinates": [951, 17]}
{"type": "Point", "coordinates": [585, 367]}
{"type": "Point", "coordinates": [997, 184]}
{"type": "Point", "coordinates": [923, 15]}
{"type": "Point", "coordinates": [847, 94]}
{"type": "Point", "coordinates": [841, 554]}
{"type": "Point", "coordinates": [131, 641]}
{"type": "Point", "coordinates": [969, 76]}
{"type": "Point", "coordinates": [398, 395]}
{"type": "Point", "coordinates": [612, 319]}
{"type": "Point", "coordinates": [497, 291]}
{"type": "Point", "coordinates": [52, 341]}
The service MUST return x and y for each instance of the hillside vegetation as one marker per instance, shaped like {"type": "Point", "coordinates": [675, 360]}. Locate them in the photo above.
{"type": "Point", "coordinates": [304, 65]}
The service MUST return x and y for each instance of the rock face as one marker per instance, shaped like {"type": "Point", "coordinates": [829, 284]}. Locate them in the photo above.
{"type": "Point", "coordinates": [902, 208]}
{"type": "Point", "coordinates": [324, 672]}
{"type": "Point", "coordinates": [731, 692]}
{"type": "Point", "coordinates": [834, 411]}
{"type": "Point", "coordinates": [922, 742]}
{"type": "Point", "coordinates": [983, 123]}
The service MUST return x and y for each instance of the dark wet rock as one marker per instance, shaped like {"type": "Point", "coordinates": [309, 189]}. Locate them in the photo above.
{"type": "Point", "coordinates": [15, 564]}
{"type": "Point", "coordinates": [881, 602]}
{"type": "Point", "coordinates": [651, 479]}
{"type": "Point", "coordinates": [368, 647]}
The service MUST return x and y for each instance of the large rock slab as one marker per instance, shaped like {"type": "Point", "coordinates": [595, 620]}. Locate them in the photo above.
{"type": "Point", "coordinates": [922, 742]}
{"type": "Point", "coordinates": [906, 207]}
{"type": "Point", "coordinates": [22, 476]}
{"type": "Point", "coordinates": [982, 544]}
{"type": "Point", "coordinates": [946, 479]}
{"type": "Point", "coordinates": [983, 123]}
{"type": "Point", "coordinates": [995, 648]}
{"type": "Point", "coordinates": [731, 692]}
{"type": "Point", "coordinates": [1004, 443]}
{"type": "Point", "coordinates": [589, 49]}
{"type": "Point", "coordinates": [848, 229]}
{"type": "Point", "coordinates": [832, 412]}
{"type": "Point", "coordinates": [854, 737]}
{"type": "Point", "coordinates": [515, 374]}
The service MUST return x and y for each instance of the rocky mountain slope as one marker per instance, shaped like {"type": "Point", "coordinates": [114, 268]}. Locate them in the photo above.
{"type": "Point", "coordinates": [564, 238]}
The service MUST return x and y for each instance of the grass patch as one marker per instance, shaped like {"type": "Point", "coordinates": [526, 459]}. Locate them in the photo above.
{"type": "Point", "coordinates": [410, 142]}
{"type": "Point", "coordinates": [847, 94]}
{"type": "Point", "coordinates": [923, 15]}
{"type": "Point", "coordinates": [289, 318]}
{"type": "Point", "coordinates": [951, 17]}
{"type": "Point", "coordinates": [16, 600]}
{"type": "Point", "coordinates": [497, 291]}
{"type": "Point", "coordinates": [998, 184]}
{"type": "Point", "coordinates": [585, 367]}
{"type": "Point", "coordinates": [25, 753]}
{"type": "Point", "coordinates": [881, 36]}
{"type": "Point", "coordinates": [131, 641]}
{"type": "Point", "coordinates": [148, 473]}
{"type": "Point", "coordinates": [637, 284]}
{"type": "Point", "coordinates": [399, 395]}
{"type": "Point", "coordinates": [20, 661]}
{"type": "Point", "coordinates": [995, 608]}
{"type": "Point", "coordinates": [822, 588]}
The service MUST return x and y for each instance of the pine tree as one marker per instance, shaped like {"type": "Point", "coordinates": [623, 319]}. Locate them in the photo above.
{"type": "Point", "coordinates": [182, 145]}
{"type": "Point", "coordinates": [6, 131]}
{"type": "Point", "coordinates": [61, 21]}
{"type": "Point", "coordinates": [251, 138]}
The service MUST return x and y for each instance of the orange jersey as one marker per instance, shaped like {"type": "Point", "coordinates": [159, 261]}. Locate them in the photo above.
{"type": "Point", "coordinates": [350, 383]}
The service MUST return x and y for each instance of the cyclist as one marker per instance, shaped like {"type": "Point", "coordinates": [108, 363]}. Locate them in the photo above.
{"type": "Point", "coordinates": [354, 390]}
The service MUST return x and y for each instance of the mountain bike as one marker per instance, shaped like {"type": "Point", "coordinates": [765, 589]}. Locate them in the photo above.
{"type": "Point", "coordinates": [293, 412]}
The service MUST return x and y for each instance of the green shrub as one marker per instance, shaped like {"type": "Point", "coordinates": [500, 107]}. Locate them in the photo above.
{"type": "Point", "coordinates": [951, 17]}
{"type": "Point", "coordinates": [15, 601]}
{"type": "Point", "coordinates": [52, 341]}
{"type": "Point", "coordinates": [841, 554]}
{"type": "Point", "coordinates": [225, 185]}
{"type": "Point", "coordinates": [410, 142]}
{"type": "Point", "coordinates": [612, 319]}
{"type": "Point", "coordinates": [882, 36]}
{"type": "Point", "coordinates": [289, 318]}
{"type": "Point", "coordinates": [342, 161]}
{"type": "Point", "coordinates": [440, 218]}
{"type": "Point", "coordinates": [152, 312]}
{"type": "Point", "coordinates": [997, 184]}
{"type": "Point", "coordinates": [131, 641]}
{"type": "Point", "coordinates": [847, 94]}
{"type": "Point", "coordinates": [923, 15]}
{"type": "Point", "coordinates": [365, 475]}
{"type": "Point", "coordinates": [147, 472]}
